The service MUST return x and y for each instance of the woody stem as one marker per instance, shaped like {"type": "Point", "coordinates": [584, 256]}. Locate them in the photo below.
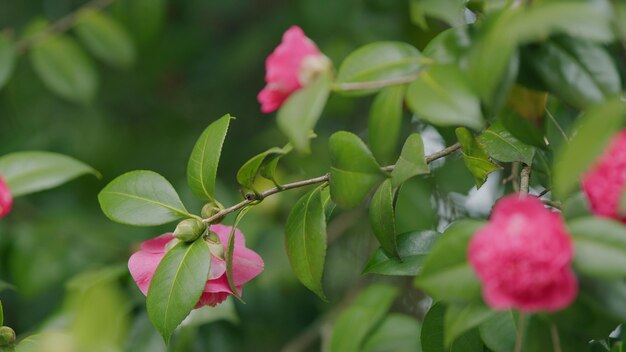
{"type": "Point", "coordinates": [252, 197]}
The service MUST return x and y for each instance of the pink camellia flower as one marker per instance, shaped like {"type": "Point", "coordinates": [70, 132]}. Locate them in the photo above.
{"type": "Point", "coordinates": [292, 65]}
{"type": "Point", "coordinates": [6, 199]}
{"type": "Point", "coordinates": [247, 264]}
{"type": "Point", "coordinates": [604, 183]}
{"type": "Point", "coordinates": [522, 257]}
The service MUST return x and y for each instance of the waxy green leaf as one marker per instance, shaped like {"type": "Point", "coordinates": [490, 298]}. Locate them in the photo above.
{"type": "Point", "coordinates": [33, 171]}
{"type": "Point", "coordinates": [383, 218]}
{"type": "Point", "coordinates": [593, 133]}
{"type": "Point", "coordinates": [475, 157]}
{"type": "Point", "coordinates": [177, 285]}
{"type": "Point", "coordinates": [446, 273]}
{"type": "Point", "coordinates": [105, 38]}
{"type": "Point", "coordinates": [301, 111]}
{"type": "Point", "coordinates": [412, 161]}
{"type": "Point", "coordinates": [449, 11]}
{"type": "Point", "coordinates": [443, 97]}
{"type": "Point", "coordinates": [263, 164]}
{"type": "Point", "coordinates": [385, 120]}
{"type": "Point", "coordinates": [141, 198]}
{"type": "Point", "coordinates": [205, 158]}
{"type": "Point", "coordinates": [502, 146]}
{"type": "Point", "coordinates": [378, 62]}
{"type": "Point", "coordinates": [413, 247]}
{"type": "Point", "coordinates": [353, 172]}
{"type": "Point", "coordinates": [65, 69]}
{"type": "Point", "coordinates": [581, 73]}
{"type": "Point", "coordinates": [396, 332]}
{"type": "Point", "coordinates": [305, 240]}
{"type": "Point", "coordinates": [460, 318]}
{"type": "Point", "coordinates": [357, 321]}
{"type": "Point", "coordinates": [8, 54]}
{"type": "Point", "coordinates": [498, 332]}
{"type": "Point", "coordinates": [600, 247]}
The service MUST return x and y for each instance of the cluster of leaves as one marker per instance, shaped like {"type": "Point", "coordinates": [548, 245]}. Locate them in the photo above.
{"type": "Point", "coordinates": [60, 60]}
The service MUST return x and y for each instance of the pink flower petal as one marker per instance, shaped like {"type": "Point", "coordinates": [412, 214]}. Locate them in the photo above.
{"type": "Point", "coordinates": [6, 199]}
{"type": "Point", "coordinates": [142, 266]}
{"type": "Point", "coordinates": [157, 244]}
{"type": "Point", "coordinates": [282, 68]}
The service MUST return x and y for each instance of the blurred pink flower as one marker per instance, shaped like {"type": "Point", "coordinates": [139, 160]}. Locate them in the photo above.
{"type": "Point", "coordinates": [247, 264]}
{"type": "Point", "coordinates": [6, 199]}
{"type": "Point", "coordinates": [522, 257]}
{"type": "Point", "coordinates": [289, 67]}
{"type": "Point", "coordinates": [604, 183]}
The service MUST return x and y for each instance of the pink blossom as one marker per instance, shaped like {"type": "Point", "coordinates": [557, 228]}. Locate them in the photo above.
{"type": "Point", "coordinates": [523, 256]}
{"type": "Point", "coordinates": [6, 199]}
{"type": "Point", "coordinates": [247, 264]}
{"type": "Point", "coordinates": [604, 183]}
{"type": "Point", "coordinates": [290, 67]}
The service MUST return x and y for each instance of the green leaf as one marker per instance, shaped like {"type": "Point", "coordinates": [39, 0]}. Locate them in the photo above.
{"type": "Point", "coordinates": [397, 333]}
{"type": "Point", "coordinates": [301, 111]}
{"type": "Point", "coordinates": [263, 163]}
{"type": "Point", "coordinates": [449, 11]}
{"type": "Point", "coordinates": [353, 172]}
{"type": "Point", "coordinates": [64, 68]}
{"type": "Point", "coordinates": [141, 198]}
{"type": "Point", "coordinates": [385, 122]}
{"type": "Point", "coordinates": [502, 146]}
{"type": "Point", "coordinates": [579, 72]}
{"type": "Point", "coordinates": [432, 328]}
{"type": "Point", "coordinates": [205, 158]}
{"type": "Point", "coordinates": [475, 157]}
{"type": "Point", "coordinates": [499, 331]}
{"type": "Point", "coordinates": [461, 318]}
{"type": "Point", "coordinates": [305, 240]}
{"type": "Point", "coordinates": [413, 247]}
{"type": "Point", "coordinates": [32, 171]}
{"type": "Point", "coordinates": [1, 315]}
{"type": "Point", "coordinates": [448, 46]}
{"type": "Point", "coordinates": [446, 274]}
{"type": "Point", "coordinates": [177, 285]}
{"type": "Point", "coordinates": [379, 61]}
{"type": "Point", "coordinates": [8, 55]}
{"type": "Point", "coordinates": [443, 97]}
{"type": "Point", "coordinates": [600, 247]}
{"type": "Point", "coordinates": [412, 161]}
{"type": "Point", "coordinates": [105, 38]}
{"type": "Point", "coordinates": [353, 324]}
{"type": "Point", "coordinates": [593, 133]}
{"type": "Point", "coordinates": [382, 217]}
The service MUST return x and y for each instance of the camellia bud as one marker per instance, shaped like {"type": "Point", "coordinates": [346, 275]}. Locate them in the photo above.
{"type": "Point", "coordinates": [215, 245]}
{"type": "Point", "coordinates": [189, 229]}
{"type": "Point", "coordinates": [210, 209]}
{"type": "Point", "coordinates": [7, 336]}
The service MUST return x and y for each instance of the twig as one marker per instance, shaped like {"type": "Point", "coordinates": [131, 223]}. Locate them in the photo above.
{"type": "Point", "coordinates": [543, 193]}
{"type": "Point", "coordinates": [62, 25]}
{"type": "Point", "coordinates": [251, 197]}
{"type": "Point", "coordinates": [520, 332]}
{"type": "Point", "coordinates": [556, 341]}
{"type": "Point", "coordinates": [524, 180]}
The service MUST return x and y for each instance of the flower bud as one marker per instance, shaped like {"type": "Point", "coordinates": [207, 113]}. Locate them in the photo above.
{"type": "Point", "coordinates": [210, 209]}
{"type": "Point", "coordinates": [189, 229]}
{"type": "Point", "coordinates": [215, 245]}
{"type": "Point", "coordinates": [7, 336]}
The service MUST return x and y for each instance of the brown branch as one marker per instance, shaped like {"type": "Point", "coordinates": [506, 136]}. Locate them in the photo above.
{"type": "Point", "coordinates": [524, 183]}
{"type": "Point", "coordinates": [64, 24]}
{"type": "Point", "coordinates": [253, 198]}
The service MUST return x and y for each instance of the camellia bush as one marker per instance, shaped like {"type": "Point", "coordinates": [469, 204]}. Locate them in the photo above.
{"type": "Point", "coordinates": [531, 90]}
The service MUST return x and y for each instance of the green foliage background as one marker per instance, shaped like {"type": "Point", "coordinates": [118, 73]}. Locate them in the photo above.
{"type": "Point", "coordinates": [198, 61]}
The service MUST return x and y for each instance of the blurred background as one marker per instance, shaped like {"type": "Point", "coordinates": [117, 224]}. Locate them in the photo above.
{"type": "Point", "coordinates": [63, 263]}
